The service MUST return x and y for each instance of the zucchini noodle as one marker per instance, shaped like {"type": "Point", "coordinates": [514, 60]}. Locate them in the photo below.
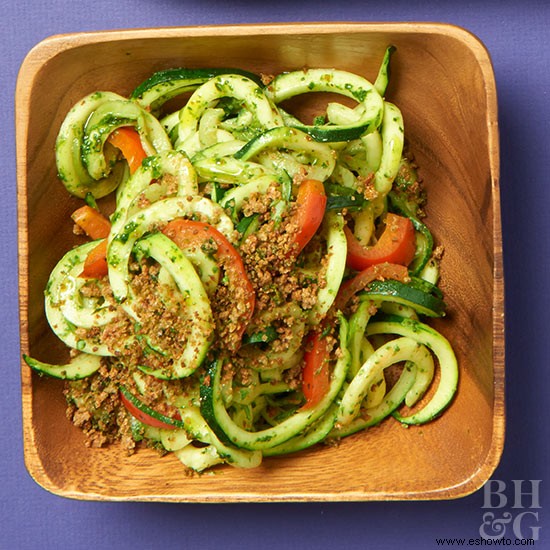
{"type": "Point", "coordinates": [253, 283]}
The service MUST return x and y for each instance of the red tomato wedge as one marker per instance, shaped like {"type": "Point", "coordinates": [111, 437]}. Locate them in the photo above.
{"type": "Point", "coordinates": [311, 203]}
{"type": "Point", "coordinates": [128, 141]}
{"type": "Point", "coordinates": [96, 226]}
{"type": "Point", "coordinates": [375, 272]}
{"type": "Point", "coordinates": [187, 233]}
{"type": "Point", "coordinates": [315, 374]}
{"type": "Point", "coordinates": [95, 265]}
{"type": "Point", "coordinates": [396, 245]}
{"type": "Point", "coordinates": [146, 415]}
{"type": "Point", "coordinates": [92, 222]}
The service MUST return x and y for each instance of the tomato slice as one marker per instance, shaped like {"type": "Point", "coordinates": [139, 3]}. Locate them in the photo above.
{"type": "Point", "coordinates": [145, 414]}
{"type": "Point", "coordinates": [92, 222]}
{"type": "Point", "coordinates": [128, 141]}
{"type": "Point", "coordinates": [315, 374]}
{"type": "Point", "coordinates": [311, 202]}
{"type": "Point", "coordinates": [396, 245]}
{"type": "Point", "coordinates": [379, 271]}
{"type": "Point", "coordinates": [187, 233]}
{"type": "Point", "coordinates": [95, 265]}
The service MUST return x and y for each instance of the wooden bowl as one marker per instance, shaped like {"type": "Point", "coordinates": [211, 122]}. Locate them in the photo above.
{"type": "Point", "coordinates": [443, 82]}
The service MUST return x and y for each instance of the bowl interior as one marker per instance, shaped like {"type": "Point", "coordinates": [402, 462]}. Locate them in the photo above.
{"type": "Point", "coordinates": [442, 81]}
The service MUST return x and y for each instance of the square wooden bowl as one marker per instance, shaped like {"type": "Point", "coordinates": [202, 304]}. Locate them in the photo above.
{"type": "Point", "coordinates": [443, 82]}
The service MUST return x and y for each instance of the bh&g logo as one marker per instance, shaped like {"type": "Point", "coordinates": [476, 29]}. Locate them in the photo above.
{"type": "Point", "coordinates": [521, 501]}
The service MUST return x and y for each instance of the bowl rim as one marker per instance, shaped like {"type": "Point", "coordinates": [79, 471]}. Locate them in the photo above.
{"type": "Point", "coordinates": [54, 45]}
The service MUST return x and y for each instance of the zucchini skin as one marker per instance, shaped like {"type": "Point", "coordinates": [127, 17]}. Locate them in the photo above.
{"type": "Point", "coordinates": [170, 256]}
{"type": "Point", "coordinates": [81, 366]}
{"type": "Point", "coordinates": [406, 198]}
{"type": "Point", "coordinates": [239, 87]}
{"type": "Point", "coordinates": [373, 416]}
{"type": "Point", "coordinates": [294, 83]}
{"type": "Point", "coordinates": [85, 164]}
{"type": "Point", "coordinates": [440, 346]}
{"type": "Point", "coordinates": [163, 85]}
{"type": "Point", "coordinates": [296, 140]}
{"type": "Point", "coordinates": [207, 402]}
{"type": "Point", "coordinates": [410, 295]}
{"type": "Point", "coordinates": [333, 227]}
{"type": "Point", "coordinates": [393, 139]}
{"type": "Point", "coordinates": [398, 350]}
{"type": "Point", "coordinates": [109, 116]}
{"type": "Point", "coordinates": [63, 276]}
{"type": "Point", "coordinates": [213, 408]}
{"type": "Point", "coordinates": [171, 163]}
{"type": "Point", "coordinates": [314, 434]}
{"type": "Point", "coordinates": [200, 430]}
{"type": "Point", "coordinates": [141, 406]}
{"type": "Point", "coordinates": [68, 155]}
{"type": "Point", "coordinates": [383, 77]}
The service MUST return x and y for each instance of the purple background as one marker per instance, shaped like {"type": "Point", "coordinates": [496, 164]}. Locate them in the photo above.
{"type": "Point", "coordinates": [517, 37]}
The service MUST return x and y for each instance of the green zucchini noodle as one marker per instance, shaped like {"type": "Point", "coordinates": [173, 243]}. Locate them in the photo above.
{"type": "Point", "coordinates": [261, 283]}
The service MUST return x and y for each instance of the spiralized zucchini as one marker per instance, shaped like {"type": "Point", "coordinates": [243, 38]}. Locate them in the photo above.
{"type": "Point", "coordinates": [260, 285]}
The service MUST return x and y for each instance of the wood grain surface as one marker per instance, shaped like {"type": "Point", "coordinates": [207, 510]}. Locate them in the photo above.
{"type": "Point", "coordinates": [443, 82]}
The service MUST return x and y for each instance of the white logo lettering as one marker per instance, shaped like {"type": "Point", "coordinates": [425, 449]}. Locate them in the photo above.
{"type": "Point", "coordinates": [497, 526]}
{"type": "Point", "coordinates": [518, 523]}
{"type": "Point", "coordinates": [489, 492]}
{"type": "Point", "coordinates": [533, 493]}
{"type": "Point", "coordinates": [526, 495]}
